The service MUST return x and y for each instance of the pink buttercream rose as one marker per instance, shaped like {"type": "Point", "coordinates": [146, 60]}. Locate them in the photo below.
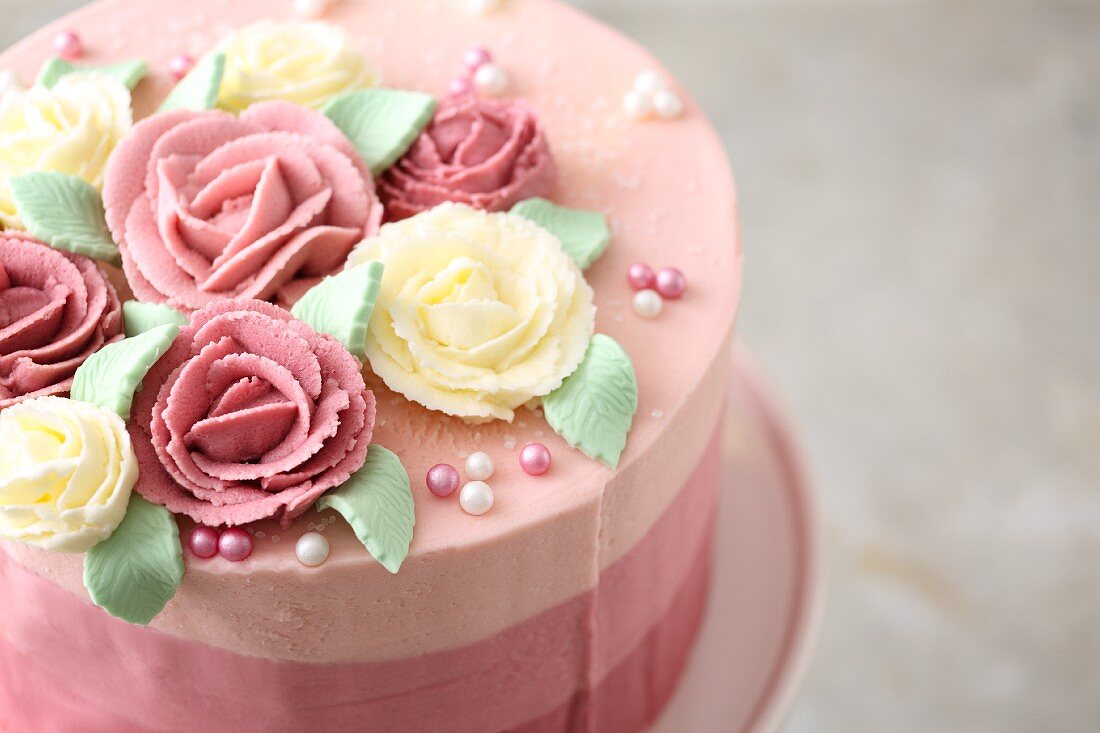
{"type": "Point", "coordinates": [206, 206]}
{"type": "Point", "coordinates": [249, 415]}
{"type": "Point", "coordinates": [56, 310]}
{"type": "Point", "coordinates": [488, 154]}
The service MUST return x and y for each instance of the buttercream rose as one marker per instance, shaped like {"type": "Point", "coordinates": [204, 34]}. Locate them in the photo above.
{"type": "Point", "coordinates": [488, 154]}
{"type": "Point", "coordinates": [56, 310]}
{"type": "Point", "coordinates": [477, 313]}
{"type": "Point", "coordinates": [206, 206]}
{"type": "Point", "coordinates": [70, 128]}
{"type": "Point", "coordinates": [304, 63]}
{"type": "Point", "coordinates": [66, 472]}
{"type": "Point", "coordinates": [249, 415]}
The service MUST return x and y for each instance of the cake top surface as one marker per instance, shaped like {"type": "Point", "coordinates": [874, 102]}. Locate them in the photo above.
{"type": "Point", "coordinates": [663, 186]}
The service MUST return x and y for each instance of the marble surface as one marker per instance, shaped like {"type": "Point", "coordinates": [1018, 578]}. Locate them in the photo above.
{"type": "Point", "coordinates": [920, 198]}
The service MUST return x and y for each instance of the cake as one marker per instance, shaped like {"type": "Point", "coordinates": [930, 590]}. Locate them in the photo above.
{"type": "Point", "coordinates": [416, 423]}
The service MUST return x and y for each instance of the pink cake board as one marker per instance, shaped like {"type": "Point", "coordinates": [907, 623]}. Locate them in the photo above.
{"type": "Point", "coordinates": [768, 593]}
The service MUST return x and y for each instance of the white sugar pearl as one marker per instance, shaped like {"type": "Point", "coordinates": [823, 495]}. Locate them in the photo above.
{"type": "Point", "coordinates": [8, 82]}
{"type": "Point", "coordinates": [667, 105]}
{"type": "Point", "coordinates": [484, 7]}
{"type": "Point", "coordinates": [479, 466]}
{"type": "Point", "coordinates": [310, 8]}
{"type": "Point", "coordinates": [312, 549]}
{"type": "Point", "coordinates": [647, 303]}
{"type": "Point", "coordinates": [649, 83]}
{"type": "Point", "coordinates": [476, 498]}
{"type": "Point", "coordinates": [491, 80]}
{"type": "Point", "coordinates": [637, 105]}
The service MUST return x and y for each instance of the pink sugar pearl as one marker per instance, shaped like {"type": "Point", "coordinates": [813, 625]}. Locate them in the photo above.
{"type": "Point", "coordinates": [477, 57]}
{"type": "Point", "coordinates": [235, 544]}
{"type": "Point", "coordinates": [460, 87]}
{"type": "Point", "coordinates": [203, 542]}
{"type": "Point", "coordinates": [534, 459]}
{"type": "Point", "coordinates": [640, 276]}
{"type": "Point", "coordinates": [68, 45]}
{"type": "Point", "coordinates": [442, 479]}
{"type": "Point", "coordinates": [180, 65]}
{"type": "Point", "coordinates": [671, 283]}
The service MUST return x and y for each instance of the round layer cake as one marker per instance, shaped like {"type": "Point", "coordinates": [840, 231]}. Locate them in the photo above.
{"type": "Point", "coordinates": [573, 603]}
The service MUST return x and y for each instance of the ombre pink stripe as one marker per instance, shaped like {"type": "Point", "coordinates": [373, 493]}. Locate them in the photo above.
{"type": "Point", "coordinates": [603, 661]}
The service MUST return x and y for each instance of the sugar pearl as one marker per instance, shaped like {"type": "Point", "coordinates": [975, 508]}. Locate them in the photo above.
{"type": "Point", "coordinates": [637, 106]}
{"type": "Point", "coordinates": [312, 549]}
{"type": "Point", "coordinates": [477, 57]}
{"type": "Point", "coordinates": [671, 283]}
{"type": "Point", "coordinates": [68, 45]}
{"type": "Point", "coordinates": [8, 82]}
{"type": "Point", "coordinates": [476, 498]}
{"type": "Point", "coordinates": [203, 542]}
{"type": "Point", "coordinates": [649, 83]}
{"type": "Point", "coordinates": [534, 459]}
{"type": "Point", "coordinates": [459, 87]}
{"type": "Point", "coordinates": [235, 544]}
{"type": "Point", "coordinates": [180, 65]}
{"type": "Point", "coordinates": [442, 479]}
{"type": "Point", "coordinates": [667, 105]}
{"type": "Point", "coordinates": [647, 303]}
{"type": "Point", "coordinates": [640, 276]}
{"type": "Point", "coordinates": [310, 8]}
{"type": "Point", "coordinates": [491, 80]}
{"type": "Point", "coordinates": [483, 7]}
{"type": "Point", "coordinates": [479, 466]}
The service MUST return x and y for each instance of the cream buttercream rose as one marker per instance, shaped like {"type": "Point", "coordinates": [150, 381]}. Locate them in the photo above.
{"type": "Point", "coordinates": [71, 128]}
{"type": "Point", "coordinates": [67, 469]}
{"type": "Point", "coordinates": [306, 63]}
{"type": "Point", "coordinates": [477, 313]}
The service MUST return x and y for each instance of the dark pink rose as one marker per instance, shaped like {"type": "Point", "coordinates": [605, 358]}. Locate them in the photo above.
{"type": "Point", "coordinates": [56, 310]}
{"type": "Point", "coordinates": [249, 415]}
{"type": "Point", "coordinates": [489, 154]}
{"type": "Point", "coordinates": [206, 206]}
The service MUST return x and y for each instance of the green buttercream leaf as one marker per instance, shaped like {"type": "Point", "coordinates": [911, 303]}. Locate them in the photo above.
{"type": "Point", "coordinates": [110, 376]}
{"type": "Point", "coordinates": [584, 234]}
{"type": "Point", "coordinates": [594, 407]}
{"type": "Point", "coordinates": [64, 211]}
{"type": "Point", "coordinates": [141, 317]}
{"type": "Point", "coordinates": [129, 73]}
{"type": "Point", "coordinates": [135, 572]}
{"type": "Point", "coordinates": [378, 504]}
{"type": "Point", "coordinates": [341, 305]}
{"type": "Point", "coordinates": [381, 123]}
{"type": "Point", "coordinates": [199, 89]}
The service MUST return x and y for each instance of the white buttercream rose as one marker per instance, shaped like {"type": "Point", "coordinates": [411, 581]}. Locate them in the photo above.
{"type": "Point", "coordinates": [305, 63]}
{"type": "Point", "coordinates": [477, 313]}
{"type": "Point", "coordinates": [67, 469]}
{"type": "Point", "coordinates": [70, 128]}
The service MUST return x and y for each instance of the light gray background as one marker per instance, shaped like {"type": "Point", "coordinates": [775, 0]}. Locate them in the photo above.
{"type": "Point", "coordinates": [920, 188]}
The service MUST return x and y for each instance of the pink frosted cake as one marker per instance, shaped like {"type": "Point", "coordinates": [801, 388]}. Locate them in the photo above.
{"type": "Point", "coordinates": [410, 418]}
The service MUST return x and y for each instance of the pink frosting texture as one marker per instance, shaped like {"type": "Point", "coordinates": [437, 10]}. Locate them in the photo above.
{"type": "Point", "coordinates": [56, 310]}
{"type": "Point", "coordinates": [489, 154]}
{"type": "Point", "coordinates": [206, 206]}
{"type": "Point", "coordinates": [249, 415]}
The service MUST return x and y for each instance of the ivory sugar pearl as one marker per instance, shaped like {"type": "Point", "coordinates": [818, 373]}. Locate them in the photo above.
{"type": "Point", "coordinates": [491, 80]}
{"type": "Point", "coordinates": [479, 466]}
{"type": "Point", "coordinates": [442, 479]}
{"type": "Point", "coordinates": [203, 542]}
{"type": "Point", "coordinates": [648, 303]}
{"type": "Point", "coordinates": [312, 549]}
{"type": "Point", "coordinates": [476, 498]}
{"type": "Point", "coordinates": [235, 545]}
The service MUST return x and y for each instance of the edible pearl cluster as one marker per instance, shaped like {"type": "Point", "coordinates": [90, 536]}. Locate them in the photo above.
{"type": "Point", "coordinates": [476, 497]}
{"type": "Point", "coordinates": [650, 97]}
{"type": "Point", "coordinates": [653, 288]}
{"type": "Point", "coordinates": [481, 75]}
{"type": "Point", "coordinates": [234, 544]}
